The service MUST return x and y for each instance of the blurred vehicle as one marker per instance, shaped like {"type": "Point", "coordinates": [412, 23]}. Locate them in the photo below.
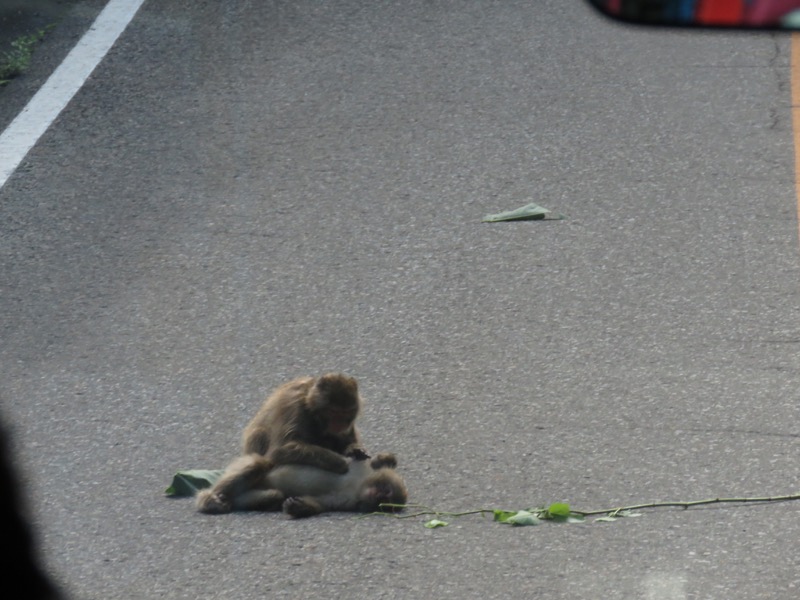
{"type": "Point", "coordinates": [730, 14]}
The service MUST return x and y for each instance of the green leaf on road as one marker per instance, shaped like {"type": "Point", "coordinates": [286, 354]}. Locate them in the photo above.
{"type": "Point", "coordinates": [520, 517]}
{"type": "Point", "coordinates": [435, 523]}
{"type": "Point", "coordinates": [528, 212]}
{"type": "Point", "coordinates": [559, 509]}
{"type": "Point", "coordinates": [187, 483]}
{"type": "Point", "coordinates": [501, 516]}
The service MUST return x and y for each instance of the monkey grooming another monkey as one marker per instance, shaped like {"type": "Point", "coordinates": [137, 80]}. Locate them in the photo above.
{"type": "Point", "coordinates": [309, 421]}
{"type": "Point", "coordinates": [253, 482]}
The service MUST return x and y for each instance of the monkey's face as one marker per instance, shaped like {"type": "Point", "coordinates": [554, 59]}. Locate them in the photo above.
{"type": "Point", "coordinates": [383, 487]}
{"type": "Point", "coordinates": [338, 420]}
{"type": "Point", "coordinates": [335, 403]}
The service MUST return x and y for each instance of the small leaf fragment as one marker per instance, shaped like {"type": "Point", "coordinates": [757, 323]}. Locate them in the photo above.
{"type": "Point", "coordinates": [435, 523]}
{"type": "Point", "coordinates": [529, 212]}
{"type": "Point", "coordinates": [523, 517]}
{"type": "Point", "coordinates": [606, 519]}
{"type": "Point", "coordinates": [559, 509]}
{"type": "Point", "coordinates": [189, 482]}
{"type": "Point", "coordinates": [573, 518]}
{"type": "Point", "coordinates": [617, 514]}
{"type": "Point", "coordinates": [501, 516]}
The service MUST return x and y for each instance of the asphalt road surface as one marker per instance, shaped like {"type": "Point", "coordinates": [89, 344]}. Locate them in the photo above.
{"type": "Point", "coordinates": [245, 192]}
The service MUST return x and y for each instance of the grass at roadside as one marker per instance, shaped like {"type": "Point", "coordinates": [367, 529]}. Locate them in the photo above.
{"type": "Point", "coordinates": [15, 61]}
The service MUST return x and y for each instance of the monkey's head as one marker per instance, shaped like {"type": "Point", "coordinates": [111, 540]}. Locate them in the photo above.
{"type": "Point", "coordinates": [384, 486]}
{"type": "Point", "coordinates": [334, 402]}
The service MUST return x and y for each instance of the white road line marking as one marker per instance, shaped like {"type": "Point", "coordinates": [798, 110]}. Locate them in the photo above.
{"type": "Point", "coordinates": [30, 124]}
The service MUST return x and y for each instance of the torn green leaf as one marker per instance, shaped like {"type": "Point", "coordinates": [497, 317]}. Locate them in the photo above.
{"type": "Point", "coordinates": [529, 212]}
{"type": "Point", "coordinates": [189, 482]}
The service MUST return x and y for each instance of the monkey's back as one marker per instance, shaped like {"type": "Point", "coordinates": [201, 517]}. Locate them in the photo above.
{"type": "Point", "coordinates": [281, 406]}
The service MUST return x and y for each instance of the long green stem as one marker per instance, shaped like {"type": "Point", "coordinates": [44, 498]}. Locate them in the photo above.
{"type": "Point", "coordinates": [589, 513]}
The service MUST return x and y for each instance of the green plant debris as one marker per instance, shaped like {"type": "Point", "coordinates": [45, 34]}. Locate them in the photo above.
{"type": "Point", "coordinates": [520, 517]}
{"type": "Point", "coordinates": [617, 514]}
{"type": "Point", "coordinates": [558, 510]}
{"type": "Point", "coordinates": [561, 512]}
{"type": "Point", "coordinates": [14, 62]}
{"type": "Point", "coordinates": [436, 523]}
{"type": "Point", "coordinates": [189, 482]}
{"type": "Point", "coordinates": [529, 212]}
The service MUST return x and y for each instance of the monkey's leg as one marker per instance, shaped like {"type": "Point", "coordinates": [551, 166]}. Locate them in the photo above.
{"type": "Point", "coordinates": [302, 506]}
{"type": "Point", "coordinates": [207, 501]}
{"type": "Point", "coordinates": [298, 453]}
{"type": "Point", "coordinates": [384, 459]}
{"type": "Point", "coordinates": [242, 475]}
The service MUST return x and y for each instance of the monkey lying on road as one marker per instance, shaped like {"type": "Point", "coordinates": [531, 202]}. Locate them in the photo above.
{"type": "Point", "coordinates": [253, 482]}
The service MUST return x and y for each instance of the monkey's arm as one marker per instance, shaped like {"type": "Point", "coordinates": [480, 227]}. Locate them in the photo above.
{"type": "Point", "coordinates": [255, 440]}
{"type": "Point", "coordinates": [300, 453]}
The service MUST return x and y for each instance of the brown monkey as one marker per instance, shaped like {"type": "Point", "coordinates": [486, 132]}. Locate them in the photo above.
{"type": "Point", "coordinates": [309, 421]}
{"type": "Point", "coordinates": [253, 482]}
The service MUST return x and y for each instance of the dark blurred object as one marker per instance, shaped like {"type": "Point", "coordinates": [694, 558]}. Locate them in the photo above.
{"type": "Point", "coordinates": [21, 572]}
{"type": "Point", "coordinates": [731, 14]}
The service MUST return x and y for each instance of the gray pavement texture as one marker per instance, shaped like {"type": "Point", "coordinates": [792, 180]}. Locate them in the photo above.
{"type": "Point", "coordinates": [245, 192]}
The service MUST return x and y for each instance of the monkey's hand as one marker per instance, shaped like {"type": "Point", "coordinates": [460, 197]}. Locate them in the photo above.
{"type": "Point", "coordinates": [356, 453]}
{"type": "Point", "coordinates": [302, 507]}
{"type": "Point", "coordinates": [384, 459]}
